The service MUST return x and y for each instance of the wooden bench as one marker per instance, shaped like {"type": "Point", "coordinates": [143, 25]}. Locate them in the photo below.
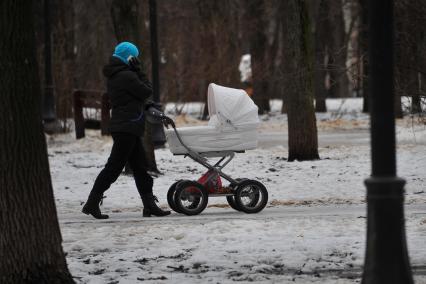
{"type": "Point", "coordinates": [90, 99]}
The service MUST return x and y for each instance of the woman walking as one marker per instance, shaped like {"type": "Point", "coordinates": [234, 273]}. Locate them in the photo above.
{"type": "Point", "coordinates": [128, 90]}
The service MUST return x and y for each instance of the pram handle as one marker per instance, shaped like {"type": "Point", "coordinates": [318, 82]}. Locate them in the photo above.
{"type": "Point", "coordinates": [190, 152]}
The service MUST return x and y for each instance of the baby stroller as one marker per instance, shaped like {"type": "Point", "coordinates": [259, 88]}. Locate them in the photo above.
{"type": "Point", "coordinates": [231, 129]}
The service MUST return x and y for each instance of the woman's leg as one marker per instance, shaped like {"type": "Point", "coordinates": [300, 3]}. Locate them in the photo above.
{"type": "Point", "coordinates": [137, 162]}
{"type": "Point", "coordinates": [121, 150]}
{"type": "Point", "coordinates": [144, 181]}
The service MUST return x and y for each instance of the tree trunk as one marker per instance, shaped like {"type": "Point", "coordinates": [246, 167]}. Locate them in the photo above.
{"type": "Point", "coordinates": [30, 238]}
{"type": "Point", "coordinates": [320, 50]}
{"type": "Point", "coordinates": [416, 102]}
{"type": "Point", "coordinates": [339, 82]}
{"type": "Point", "coordinates": [302, 129]}
{"type": "Point", "coordinates": [421, 60]}
{"type": "Point", "coordinates": [410, 22]}
{"type": "Point", "coordinates": [207, 11]}
{"type": "Point", "coordinates": [363, 39]}
{"type": "Point", "coordinates": [125, 18]}
{"type": "Point", "coordinates": [63, 56]}
{"type": "Point", "coordinates": [220, 56]}
{"type": "Point", "coordinates": [127, 27]}
{"type": "Point", "coordinates": [256, 25]}
{"type": "Point", "coordinates": [416, 106]}
{"type": "Point", "coordinates": [398, 106]}
{"type": "Point", "coordinates": [273, 52]}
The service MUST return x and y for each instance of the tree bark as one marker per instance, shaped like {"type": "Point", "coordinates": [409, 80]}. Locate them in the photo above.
{"type": "Point", "coordinates": [416, 105]}
{"type": "Point", "coordinates": [207, 11]}
{"type": "Point", "coordinates": [302, 129]}
{"type": "Point", "coordinates": [256, 25]}
{"type": "Point", "coordinates": [273, 51]}
{"type": "Point", "coordinates": [363, 38]}
{"type": "Point", "coordinates": [339, 82]}
{"type": "Point", "coordinates": [127, 27]}
{"type": "Point", "coordinates": [125, 19]}
{"type": "Point", "coordinates": [30, 238]}
{"type": "Point", "coordinates": [320, 52]}
{"type": "Point", "coordinates": [410, 22]}
{"type": "Point", "coordinates": [63, 56]}
{"type": "Point", "coordinates": [220, 54]}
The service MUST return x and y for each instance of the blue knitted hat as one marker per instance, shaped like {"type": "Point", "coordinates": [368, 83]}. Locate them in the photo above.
{"type": "Point", "coordinates": [125, 49]}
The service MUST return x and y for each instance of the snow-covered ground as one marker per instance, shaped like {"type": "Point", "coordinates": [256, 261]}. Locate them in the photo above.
{"type": "Point", "coordinates": [313, 229]}
{"type": "Point", "coordinates": [279, 245]}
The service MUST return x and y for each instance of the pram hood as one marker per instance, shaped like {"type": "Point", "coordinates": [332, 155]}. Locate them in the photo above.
{"type": "Point", "coordinates": [230, 107]}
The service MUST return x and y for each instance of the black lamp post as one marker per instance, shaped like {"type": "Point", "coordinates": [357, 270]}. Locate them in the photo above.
{"type": "Point", "coordinates": [158, 137]}
{"type": "Point", "coordinates": [386, 255]}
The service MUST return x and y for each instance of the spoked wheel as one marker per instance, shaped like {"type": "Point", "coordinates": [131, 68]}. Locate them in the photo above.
{"type": "Point", "coordinates": [171, 196]}
{"type": "Point", "coordinates": [190, 198]}
{"type": "Point", "coordinates": [251, 196]}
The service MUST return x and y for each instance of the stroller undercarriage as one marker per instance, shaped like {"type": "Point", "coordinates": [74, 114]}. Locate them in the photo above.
{"type": "Point", "coordinates": [191, 197]}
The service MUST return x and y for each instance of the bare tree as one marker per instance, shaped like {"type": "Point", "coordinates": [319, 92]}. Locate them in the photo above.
{"type": "Point", "coordinates": [63, 56]}
{"type": "Point", "coordinates": [337, 55]}
{"type": "Point", "coordinates": [180, 50]}
{"type": "Point", "coordinates": [320, 17]}
{"type": "Point", "coordinates": [30, 238]}
{"type": "Point", "coordinates": [363, 46]}
{"type": "Point", "coordinates": [302, 129]}
{"type": "Point", "coordinates": [220, 49]}
{"type": "Point", "coordinates": [410, 20]}
{"type": "Point", "coordinates": [256, 27]}
{"type": "Point", "coordinates": [92, 52]}
{"type": "Point", "coordinates": [330, 50]}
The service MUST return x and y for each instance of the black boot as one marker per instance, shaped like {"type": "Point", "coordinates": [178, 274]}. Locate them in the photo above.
{"type": "Point", "coordinates": [150, 208]}
{"type": "Point", "coordinates": [92, 206]}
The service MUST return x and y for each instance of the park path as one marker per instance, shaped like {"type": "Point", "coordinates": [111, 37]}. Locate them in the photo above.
{"type": "Point", "coordinates": [223, 214]}
{"type": "Point", "coordinates": [357, 137]}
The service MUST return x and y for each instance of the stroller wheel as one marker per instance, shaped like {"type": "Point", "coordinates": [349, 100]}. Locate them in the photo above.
{"type": "Point", "coordinates": [190, 198]}
{"type": "Point", "coordinates": [232, 203]}
{"type": "Point", "coordinates": [231, 199]}
{"type": "Point", "coordinates": [171, 196]}
{"type": "Point", "coordinates": [251, 196]}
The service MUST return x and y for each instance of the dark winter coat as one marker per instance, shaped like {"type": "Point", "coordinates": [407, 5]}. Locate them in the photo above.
{"type": "Point", "coordinates": [128, 91]}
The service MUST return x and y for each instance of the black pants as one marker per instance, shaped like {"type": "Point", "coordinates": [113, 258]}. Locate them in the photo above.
{"type": "Point", "coordinates": [126, 148]}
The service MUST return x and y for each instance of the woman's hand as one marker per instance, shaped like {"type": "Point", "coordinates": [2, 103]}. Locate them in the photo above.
{"type": "Point", "coordinates": [135, 64]}
{"type": "Point", "coordinates": [168, 121]}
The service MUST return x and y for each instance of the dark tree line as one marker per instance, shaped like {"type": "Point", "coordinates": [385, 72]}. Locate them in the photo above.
{"type": "Point", "coordinates": [410, 71]}
{"type": "Point", "coordinates": [202, 41]}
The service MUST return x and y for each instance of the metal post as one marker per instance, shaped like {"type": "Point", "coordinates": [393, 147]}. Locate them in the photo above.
{"type": "Point", "coordinates": [158, 137]}
{"type": "Point", "coordinates": [386, 255]}
{"type": "Point", "coordinates": [48, 99]}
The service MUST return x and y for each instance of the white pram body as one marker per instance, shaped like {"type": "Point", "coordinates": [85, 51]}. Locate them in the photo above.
{"type": "Point", "coordinates": [232, 126]}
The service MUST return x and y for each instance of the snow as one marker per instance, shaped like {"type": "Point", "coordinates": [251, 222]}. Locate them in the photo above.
{"type": "Point", "coordinates": [219, 251]}
{"type": "Point", "coordinates": [313, 230]}
{"type": "Point", "coordinates": [245, 68]}
{"type": "Point", "coordinates": [223, 246]}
